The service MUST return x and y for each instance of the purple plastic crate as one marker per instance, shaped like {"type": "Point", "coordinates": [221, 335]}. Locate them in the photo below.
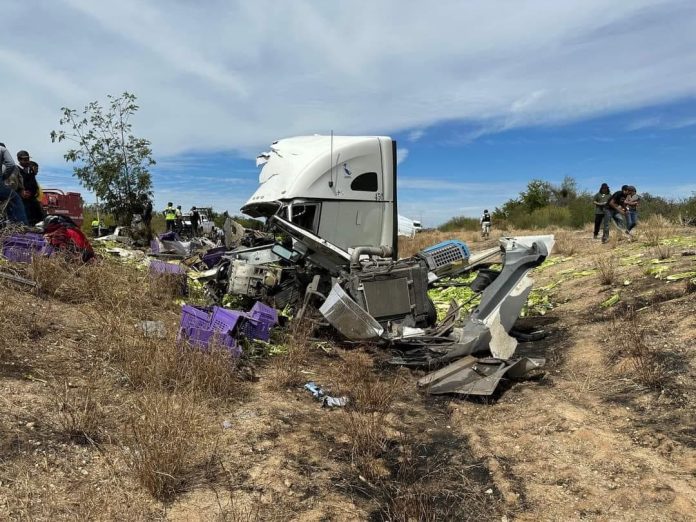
{"type": "Point", "coordinates": [202, 337]}
{"type": "Point", "coordinates": [162, 267]}
{"type": "Point", "coordinates": [255, 329]}
{"type": "Point", "coordinates": [194, 317]}
{"type": "Point", "coordinates": [169, 236]}
{"type": "Point", "coordinates": [224, 320]}
{"type": "Point", "coordinates": [213, 255]}
{"type": "Point", "coordinates": [264, 313]}
{"type": "Point", "coordinates": [21, 247]}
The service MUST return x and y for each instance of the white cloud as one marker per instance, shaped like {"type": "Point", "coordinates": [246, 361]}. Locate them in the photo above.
{"type": "Point", "coordinates": [415, 135]}
{"type": "Point", "coordinates": [234, 76]}
{"type": "Point", "coordinates": [401, 155]}
{"type": "Point", "coordinates": [239, 75]}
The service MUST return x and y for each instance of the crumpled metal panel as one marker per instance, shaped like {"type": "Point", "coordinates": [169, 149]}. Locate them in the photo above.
{"type": "Point", "coordinates": [471, 376]}
{"type": "Point", "coordinates": [348, 318]}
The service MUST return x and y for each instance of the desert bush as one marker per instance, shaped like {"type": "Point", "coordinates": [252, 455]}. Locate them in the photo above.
{"type": "Point", "coordinates": [163, 441]}
{"type": "Point", "coordinates": [606, 268]}
{"type": "Point", "coordinates": [662, 251]}
{"type": "Point", "coordinates": [366, 436]}
{"type": "Point", "coordinates": [151, 363]}
{"type": "Point", "coordinates": [285, 370]}
{"type": "Point", "coordinates": [460, 223]}
{"type": "Point", "coordinates": [655, 229]}
{"type": "Point", "coordinates": [79, 416]}
{"type": "Point", "coordinates": [368, 392]}
{"type": "Point", "coordinates": [566, 243]}
{"type": "Point", "coordinates": [544, 217]}
{"type": "Point", "coordinates": [632, 354]}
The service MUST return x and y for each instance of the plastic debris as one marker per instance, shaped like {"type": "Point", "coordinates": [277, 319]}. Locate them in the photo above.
{"type": "Point", "coordinates": [326, 400]}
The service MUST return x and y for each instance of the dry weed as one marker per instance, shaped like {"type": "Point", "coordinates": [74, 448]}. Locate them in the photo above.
{"type": "Point", "coordinates": [286, 369]}
{"type": "Point", "coordinates": [606, 267]}
{"type": "Point", "coordinates": [113, 288]}
{"type": "Point", "coordinates": [366, 434]}
{"type": "Point", "coordinates": [655, 229]}
{"type": "Point", "coordinates": [662, 251]}
{"type": "Point", "coordinates": [149, 363]}
{"type": "Point", "coordinates": [633, 356]}
{"type": "Point", "coordinates": [566, 243]}
{"type": "Point", "coordinates": [236, 511]}
{"type": "Point", "coordinates": [411, 246]}
{"type": "Point", "coordinates": [367, 390]}
{"type": "Point", "coordinates": [79, 417]}
{"type": "Point", "coordinates": [164, 438]}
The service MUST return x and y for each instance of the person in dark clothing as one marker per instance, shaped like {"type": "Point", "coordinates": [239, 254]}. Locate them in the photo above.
{"type": "Point", "coordinates": [30, 192]}
{"type": "Point", "coordinates": [195, 220]}
{"type": "Point", "coordinates": [10, 201]}
{"type": "Point", "coordinates": [147, 216]}
{"type": "Point", "coordinates": [147, 210]}
{"type": "Point", "coordinates": [600, 204]}
{"type": "Point", "coordinates": [616, 211]}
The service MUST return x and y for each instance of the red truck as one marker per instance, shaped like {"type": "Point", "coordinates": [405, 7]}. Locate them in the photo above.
{"type": "Point", "coordinates": [58, 202]}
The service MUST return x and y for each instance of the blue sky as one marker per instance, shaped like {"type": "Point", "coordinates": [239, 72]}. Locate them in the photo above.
{"type": "Point", "coordinates": [482, 96]}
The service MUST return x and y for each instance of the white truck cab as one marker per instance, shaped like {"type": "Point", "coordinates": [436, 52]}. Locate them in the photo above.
{"type": "Point", "coordinates": [341, 188]}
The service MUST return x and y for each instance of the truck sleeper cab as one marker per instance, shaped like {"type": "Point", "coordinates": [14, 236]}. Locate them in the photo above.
{"type": "Point", "coordinates": [341, 188]}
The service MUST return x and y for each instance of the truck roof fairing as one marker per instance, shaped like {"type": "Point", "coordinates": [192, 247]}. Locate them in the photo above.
{"type": "Point", "coordinates": [320, 167]}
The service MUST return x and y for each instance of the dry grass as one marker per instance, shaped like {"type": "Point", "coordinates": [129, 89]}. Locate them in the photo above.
{"type": "Point", "coordinates": [411, 246]}
{"type": "Point", "coordinates": [662, 251]}
{"type": "Point", "coordinates": [566, 243]}
{"type": "Point", "coordinates": [79, 416]}
{"type": "Point", "coordinates": [368, 390]}
{"type": "Point", "coordinates": [655, 229]}
{"type": "Point", "coordinates": [285, 370]}
{"type": "Point", "coordinates": [147, 363]}
{"type": "Point", "coordinates": [634, 358]}
{"type": "Point", "coordinates": [606, 266]}
{"type": "Point", "coordinates": [164, 442]}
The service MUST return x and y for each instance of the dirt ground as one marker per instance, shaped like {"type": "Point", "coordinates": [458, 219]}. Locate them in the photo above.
{"type": "Point", "coordinates": [99, 422]}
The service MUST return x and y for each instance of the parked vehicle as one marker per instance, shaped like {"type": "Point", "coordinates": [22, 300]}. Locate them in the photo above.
{"type": "Point", "coordinates": [58, 202]}
{"type": "Point", "coordinates": [205, 225]}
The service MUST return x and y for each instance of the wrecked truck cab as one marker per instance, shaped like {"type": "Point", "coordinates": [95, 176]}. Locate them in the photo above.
{"type": "Point", "coordinates": [340, 188]}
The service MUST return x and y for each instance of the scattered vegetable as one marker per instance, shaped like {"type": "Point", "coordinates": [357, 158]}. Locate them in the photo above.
{"type": "Point", "coordinates": [683, 275]}
{"type": "Point", "coordinates": [611, 301]}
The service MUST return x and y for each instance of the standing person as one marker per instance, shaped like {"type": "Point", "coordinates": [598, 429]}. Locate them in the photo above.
{"type": "Point", "coordinates": [96, 225]}
{"type": "Point", "coordinates": [600, 204]}
{"type": "Point", "coordinates": [631, 203]}
{"type": "Point", "coordinates": [30, 192]}
{"type": "Point", "coordinates": [170, 216]}
{"type": "Point", "coordinates": [147, 215]}
{"type": "Point", "coordinates": [485, 223]}
{"type": "Point", "coordinates": [179, 220]}
{"type": "Point", "coordinates": [8, 170]}
{"type": "Point", "coordinates": [195, 220]}
{"type": "Point", "coordinates": [616, 211]}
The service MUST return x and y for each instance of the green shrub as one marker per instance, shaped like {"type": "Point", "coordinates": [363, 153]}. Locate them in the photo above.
{"type": "Point", "coordinates": [460, 223]}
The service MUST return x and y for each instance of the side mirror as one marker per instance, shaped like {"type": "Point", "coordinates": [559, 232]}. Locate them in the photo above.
{"type": "Point", "coordinates": [282, 252]}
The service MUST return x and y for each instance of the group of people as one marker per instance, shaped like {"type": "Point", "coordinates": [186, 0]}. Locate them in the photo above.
{"type": "Point", "coordinates": [174, 219]}
{"type": "Point", "coordinates": [621, 207]}
{"type": "Point", "coordinates": [20, 194]}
